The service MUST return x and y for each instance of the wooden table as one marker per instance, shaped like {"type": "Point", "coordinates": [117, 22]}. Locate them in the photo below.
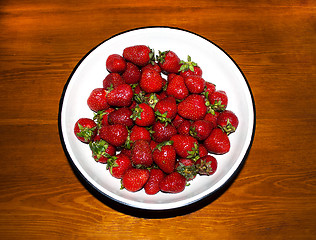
{"type": "Point", "coordinates": [274, 196]}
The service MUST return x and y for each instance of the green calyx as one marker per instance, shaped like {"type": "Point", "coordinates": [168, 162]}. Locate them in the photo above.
{"type": "Point", "coordinates": [218, 106]}
{"type": "Point", "coordinates": [228, 128]}
{"type": "Point", "coordinates": [166, 143]}
{"type": "Point", "coordinates": [111, 163]}
{"type": "Point", "coordinates": [98, 149]}
{"type": "Point", "coordinates": [151, 100]}
{"type": "Point", "coordinates": [204, 168]}
{"type": "Point", "coordinates": [152, 56]}
{"type": "Point", "coordinates": [194, 153]}
{"type": "Point", "coordinates": [188, 65]}
{"type": "Point", "coordinates": [162, 117]}
{"type": "Point", "coordinates": [86, 132]}
{"type": "Point", "coordinates": [189, 172]}
{"type": "Point", "coordinates": [137, 111]}
{"type": "Point", "coordinates": [98, 117]}
{"type": "Point", "coordinates": [161, 56]}
{"type": "Point", "coordinates": [139, 97]}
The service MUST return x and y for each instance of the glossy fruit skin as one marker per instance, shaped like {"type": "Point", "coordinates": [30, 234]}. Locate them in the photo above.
{"type": "Point", "coordinates": [141, 154]}
{"type": "Point", "coordinates": [97, 100]}
{"type": "Point", "coordinates": [143, 115]}
{"type": "Point", "coordinates": [134, 179]}
{"type": "Point", "coordinates": [165, 158]}
{"type": "Point", "coordinates": [138, 133]}
{"type": "Point", "coordinates": [197, 71]}
{"type": "Point", "coordinates": [206, 165]}
{"type": "Point", "coordinates": [212, 117]}
{"type": "Point", "coordinates": [112, 79]}
{"type": "Point", "coordinates": [193, 107]}
{"type": "Point", "coordinates": [101, 150]}
{"type": "Point", "coordinates": [121, 116]}
{"type": "Point", "coordinates": [152, 185]}
{"type": "Point", "coordinates": [121, 96]}
{"type": "Point", "coordinates": [228, 121]}
{"type": "Point", "coordinates": [173, 183]}
{"type": "Point", "coordinates": [218, 142]}
{"type": "Point", "coordinates": [151, 81]}
{"type": "Point", "coordinates": [184, 127]}
{"type": "Point", "coordinates": [209, 88]}
{"type": "Point", "coordinates": [115, 135]}
{"type": "Point", "coordinates": [115, 63]}
{"type": "Point", "coordinates": [184, 145]}
{"type": "Point", "coordinates": [132, 73]}
{"type": "Point", "coordinates": [153, 66]}
{"type": "Point", "coordinates": [177, 88]}
{"type": "Point", "coordinates": [85, 129]}
{"type": "Point", "coordinates": [169, 62]}
{"type": "Point", "coordinates": [162, 132]}
{"type": "Point", "coordinates": [195, 84]}
{"type": "Point", "coordinates": [218, 100]}
{"type": "Point", "coordinates": [138, 54]}
{"type": "Point", "coordinates": [201, 129]}
{"type": "Point", "coordinates": [119, 165]}
{"type": "Point", "coordinates": [166, 109]}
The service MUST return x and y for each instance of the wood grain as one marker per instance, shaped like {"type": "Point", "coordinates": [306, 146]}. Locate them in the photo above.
{"type": "Point", "coordinates": [272, 41]}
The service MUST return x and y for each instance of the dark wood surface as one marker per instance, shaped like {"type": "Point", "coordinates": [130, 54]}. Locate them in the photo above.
{"type": "Point", "coordinates": [273, 42]}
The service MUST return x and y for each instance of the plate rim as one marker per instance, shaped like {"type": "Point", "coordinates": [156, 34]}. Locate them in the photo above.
{"type": "Point", "coordinates": [77, 171]}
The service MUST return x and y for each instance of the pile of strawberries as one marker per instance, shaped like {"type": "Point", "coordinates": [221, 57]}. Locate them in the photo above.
{"type": "Point", "coordinates": [156, 121]}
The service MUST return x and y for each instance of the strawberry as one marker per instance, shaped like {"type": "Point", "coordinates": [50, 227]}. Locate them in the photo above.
{"type": "Point", "coordinates": [127, 152]}
{"type": "Point", "coordinates": [218, 100]}
{"type": "Point", "coordinates": [212, 117]}
{"type": "Point", "coordinates": [141, 153]}
{"type": "Point", "coordinates": [134, 179]}
{"type": "Point", "coordinates": [138, 132]}
{"type": "Point", "coordinates": [217, 142]}
{"type": "Point", "coordinates": [227, 121]}
{"type": "Point", "coordinates": [201, 129]}
{"type": "Point", "coordinates": [166, 109]}
{"type": "Point", "coordinates": [101, 117]}
{"type": "Point", "coordinates": [176, 87]}
{"type": "Point", "coordinates": [151, 99]}
{"type": "Point", "coordinates": [173, 183]}
{"type": "Point", "coordinates": [152, 185]}
{"type": "Point", "coordinates": [115, 63]}
{"type": "Point", "coordinates": [209, 88]}
{"type": "Point", "coordinates": [176, 122]}
{"type": "Point", "coordinates": [185, 146]}
{"type": "Point", "coordinates": [192, 107]}
{"type": "Point", "coordinates": [115, 135]}
{"type": "Point", "coordinates": [184, 127]}
{"type": "Point", "coordinates": [121, 116]}
{"type": "Point", "coordinates": [85, 129]}
{"type": "Point", "coordinates": [168, 61]}
{"type": "Point", "coordinates": [194, 83]}
{"type": "Point", "coordinates": [206, 165]}
{"type": "Point", "coordinates": [162, 132]}
{"type": "Point", "coordinates": [101, 150]}
{"type": "Point", "coordinates": [186, 167]}
{"type": "Point", "coordinates": [97, 100]}
{"type": "Point", "coordinates": [189, 68]}
{"type": "Point", "coordinates": [151, 81]}
{"type": "Point", "coordinates": [202, 150]}
{"type": "Point", "coordinates": [143, 115]}
{"type": "Point", "coordinates": [164, 156]}
{"type": "Point", "coordinates": [153, 66]}
{"type": "Point", "coordinates": [132, 74]}
{"type": "Point", "coordinates": [153, 144]}
{"type": "Point", "coordinates": [121, 96]}
{"type": "Point", "coordinates": [140, 55]}
{"type": "Point", "coordinates": [112, 80]}
{"type": "Point", "coordinates": [118, 165]}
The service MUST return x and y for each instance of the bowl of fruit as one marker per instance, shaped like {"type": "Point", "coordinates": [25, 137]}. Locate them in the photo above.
{"type": "Point", "coordinates": [157, 118]}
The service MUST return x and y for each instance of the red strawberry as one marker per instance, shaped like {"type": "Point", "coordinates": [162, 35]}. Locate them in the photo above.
{"type": "Point", "coordinates": [218, 142]}
{"type": "Point", "coordinates": [166, 109]}
{"type": "Point", "coordinates": [193, 107]}
{"type": "Point", "coordinates": [134, 179]}
{"type": "Point", "coordinates": [189, 68]}
{"type": "Point", "coordinates": [127, 152]}
{"type": "Point", "coordinates": [140, 55]}
{"type": "Point", "coordinates": [118, 165]}
{"type": "Point", "coordinates": [177, 121]}
{"type": "Point", "coordinates": [141, 153]}
{"type": "Point", "coordinates": [176, 87]}
{"type": "Point", "coordinates": [152, 185]}
{"type": "Point", "coordinates": [169, 62]}
{"type": "Point", "coordinates": [97, 100]}
{"type": "Point", "coordinates": [212, 117]}
{"type": "Point", "coordinates": [121, 116]}
{"type": "Point", "coordinates": [143, 115]}
{"type": "Point", "coordinates": [151, 81]}
{"type": "Point", "coordinates": [132, 74]}
{"type": "Point", "coordinates": [115, 63]}
{"type": "Point", "coordinates": [185, 146]}
{"type": "Point", "coordinates": [138, 132]}
{"type": "Point", "coordinates": [85, 129]}
{"type": "Point", "coordinates": [164, 156]}
{"type": "Point", "coordinates": [186, 167]}
{"type": "Point", "coordinates": [184, 127]}
{"type": "Point", "coordinates": [112, 80]}
{"type": "Point", "coordinates": [206, 165]}
{"type": "Point", "coordinates": [115, 135]}
{"type": "Point", "coordinates": [194, 83]}
{"type": "Point", "coordinates": [209, 88]}
{"type": "Point", "coordinates": [228, 121]}
{"type": "Point", "coordinates": [202, 150]}
{"type": "Point", "coordinates": [101, 117]}
{"type": "Point", "coordinates": [153, 66]}
{"type": "Point", "coordinates": [101, 150]}
{"type": "Point", "coordinates": [218, 100]}
{"type": "Point", "coordinates": [173, 183]}
{"type": "Point", "coordinates": [162, 132]}
{"type": "Point", "coordinates": [201, 129]}
{"type": "Point", "coordinates": [121, 96]}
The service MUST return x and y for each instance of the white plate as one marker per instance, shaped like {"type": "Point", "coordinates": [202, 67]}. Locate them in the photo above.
{"type": "Point", "coordinates": [217, 67]}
